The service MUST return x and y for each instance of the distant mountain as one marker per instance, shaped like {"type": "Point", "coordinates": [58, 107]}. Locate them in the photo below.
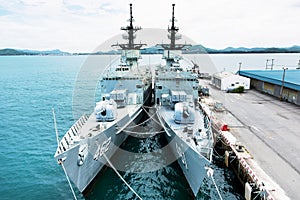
{"type": "Point", "coordinates": [153, 50]}
{"type": "Point", "coordinates": [201, 49]}
{"type": "Point", "coordinates": [295, 48]}
{"type": "Point", "coordinates": [195, 49]}
{"type": "Point", "coordinates": [12, 52]}
{"type": "Point", "coordinates": [47, 52]}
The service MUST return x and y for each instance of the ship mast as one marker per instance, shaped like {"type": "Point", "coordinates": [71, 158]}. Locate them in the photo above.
{"type": "Point", "coordinates": [173, 36]}
{"type": "Point", "coordinates": [130, 29]}
{"type": "Point", "coordinates": [173, 51]}
{"type": "Point", "coordinates": [173, 30]}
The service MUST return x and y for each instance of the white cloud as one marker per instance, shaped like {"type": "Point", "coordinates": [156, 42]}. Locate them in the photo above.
{"type": "Point", "coordinates": [81, 25]}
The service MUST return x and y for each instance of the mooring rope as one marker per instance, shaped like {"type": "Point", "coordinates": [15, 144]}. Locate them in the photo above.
{"type": "Point", "coordinates": [148, 133]}
{"type": "Point", "coordinates": [55, 126]}
{"type": "Point", "coordinates": [140, 123]}
{"type": "Point", "coordinates": [150, 115]}
{"type": "Point", "coordinates": [210, 173]}
{"type": "Point", "coordinates": [116, 171]}
{"type": "Point", "coordinates": [62, 164]}
{"type": "Point", "coordinates": [148, 106]}
{"type": "Point", "coordinates": [216, 188]}
{"type": "Point", "coordinates": [221, 156]}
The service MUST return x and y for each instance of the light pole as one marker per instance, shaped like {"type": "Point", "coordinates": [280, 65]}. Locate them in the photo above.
{"type": "Point", "coordinates": [272, 64]}
{"type": "Point", "coordinates": [282, 83]}
{"type": "Point", "coordinates": [269, 66]}
{"type": "Point", "coordinates": [240, 66]}
{"type": "Point", "coordinates": [267, 63]}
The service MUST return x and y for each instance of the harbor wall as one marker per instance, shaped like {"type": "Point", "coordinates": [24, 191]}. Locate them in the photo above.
{"type": "Point", "coordinates": [236, 156]}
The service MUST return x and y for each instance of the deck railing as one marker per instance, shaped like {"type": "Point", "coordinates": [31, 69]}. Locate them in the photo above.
{"type": "Point", "coordinates": [71, 136]}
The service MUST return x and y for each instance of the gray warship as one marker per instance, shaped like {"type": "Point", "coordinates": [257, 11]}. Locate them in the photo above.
{"type": "Point", "coordinates": [125, 88]}
{"type": "Point", "coordinates": [187, 129]}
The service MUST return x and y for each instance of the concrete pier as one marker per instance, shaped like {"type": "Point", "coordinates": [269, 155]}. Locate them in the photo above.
{"type": "Point", "coordinates": [270, 131]}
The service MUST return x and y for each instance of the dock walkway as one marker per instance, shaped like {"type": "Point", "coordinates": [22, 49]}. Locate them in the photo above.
{"type": "Point", "coordinates": [270, 130]}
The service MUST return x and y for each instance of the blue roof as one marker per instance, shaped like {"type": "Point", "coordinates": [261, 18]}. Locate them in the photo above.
{"type": "Point", "coordinates": [291, 79]}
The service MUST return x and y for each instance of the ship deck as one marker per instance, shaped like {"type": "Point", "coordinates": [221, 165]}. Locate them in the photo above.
{"type": "Point", "coordinates": [88, 126]}
{"type": "Point", "coordinates": [168, 114]}
{"type": "Point", "coordinates": [92, 127]}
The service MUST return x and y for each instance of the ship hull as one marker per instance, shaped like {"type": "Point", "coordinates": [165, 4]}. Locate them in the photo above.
{"type": "Point", "coordinates": [191, 162]}
{"type": "Point", "coordinates": [125, 90]}
{"type": "Point", "coordinates": [82, 171]}
{"type": "Point", "coordinates": [83, 161]}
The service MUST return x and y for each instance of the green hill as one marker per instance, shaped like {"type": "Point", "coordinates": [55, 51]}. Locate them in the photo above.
{"type": "Point", "coordinates": [10, 52]}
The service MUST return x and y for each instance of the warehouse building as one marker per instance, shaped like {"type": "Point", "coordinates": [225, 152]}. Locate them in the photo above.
{"type": "Point", "coordinates": [225, 80]}
{"type": "Point", "coordinates": [284, 84]}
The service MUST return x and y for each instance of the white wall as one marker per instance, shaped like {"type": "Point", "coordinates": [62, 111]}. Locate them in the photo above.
{"type": "Point", "coordinates": [235, 81]}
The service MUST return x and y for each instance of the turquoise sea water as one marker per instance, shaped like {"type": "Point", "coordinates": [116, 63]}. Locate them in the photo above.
{"type": "Point", "coordinates": [30, 86]}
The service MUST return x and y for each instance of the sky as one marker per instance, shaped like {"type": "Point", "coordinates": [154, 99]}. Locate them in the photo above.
{"type": "Point", "coordinates": [82, 25]}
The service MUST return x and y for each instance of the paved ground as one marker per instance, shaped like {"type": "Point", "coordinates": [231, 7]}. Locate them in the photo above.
{"type": "Point", "coordinates": [270, 130]}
